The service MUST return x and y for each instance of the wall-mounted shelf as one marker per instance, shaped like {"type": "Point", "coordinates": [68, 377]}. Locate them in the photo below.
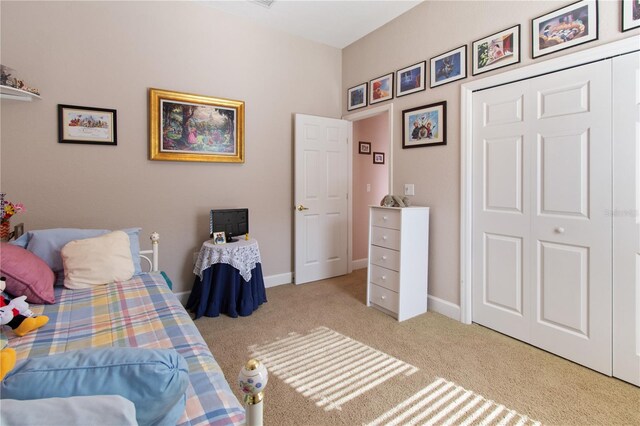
{"type": "Point", "coordinates": [8, 92]}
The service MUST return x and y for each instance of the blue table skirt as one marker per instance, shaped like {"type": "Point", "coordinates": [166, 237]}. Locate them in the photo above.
{"type": "Point", "coordinates": [223, 290]}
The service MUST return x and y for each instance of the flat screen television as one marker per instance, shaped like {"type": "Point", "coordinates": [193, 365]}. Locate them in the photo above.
{"type": "Point", "coordinates": [233, 222]}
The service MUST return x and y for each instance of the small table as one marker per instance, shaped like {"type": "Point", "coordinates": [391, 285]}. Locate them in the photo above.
{"type": "Point", "coordinates": [228, 280]}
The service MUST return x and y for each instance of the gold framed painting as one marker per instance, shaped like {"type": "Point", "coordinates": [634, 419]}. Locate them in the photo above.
{"type": "Point", "coordinates": [188, 127]}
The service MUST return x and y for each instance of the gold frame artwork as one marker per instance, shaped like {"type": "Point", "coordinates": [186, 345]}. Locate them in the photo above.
{"type": "Point", "coordinates": [213, 130]}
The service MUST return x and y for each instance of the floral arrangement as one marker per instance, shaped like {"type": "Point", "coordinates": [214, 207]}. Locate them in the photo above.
{"type": "Point", "coordinates": [8, 209]}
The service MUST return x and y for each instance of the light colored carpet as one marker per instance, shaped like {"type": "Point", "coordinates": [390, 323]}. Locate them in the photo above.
{"type": "Point", "coordinates": [439, 370]}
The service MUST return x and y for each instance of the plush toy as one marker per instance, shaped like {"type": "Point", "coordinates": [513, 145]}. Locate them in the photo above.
{"type": "Point", "coordinates": [395, 201]}
{"type": "Point", "coordinates": [17, 315]}
{"type": "Point", "coordinates": [7, 357]}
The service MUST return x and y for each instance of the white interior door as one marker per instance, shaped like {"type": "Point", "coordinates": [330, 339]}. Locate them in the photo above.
{"type": "Point", "coordinates": [626, 218]}
{"type": "Point", "coordinates": [321, 177]}
{"type": "Point", "coordinates": [541, 192]}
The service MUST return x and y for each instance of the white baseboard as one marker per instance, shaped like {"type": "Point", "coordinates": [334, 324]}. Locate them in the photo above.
{"type": "Point", "coordinates": [359, 264]}
{"type": "Point", "coordinates": [448, 309]}
{"type": "Point", "coordinates": [183, 296]}
{"type": "Point", "coordinates": [276, 280]}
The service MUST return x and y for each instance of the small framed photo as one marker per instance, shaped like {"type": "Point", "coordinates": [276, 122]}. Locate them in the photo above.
{"type": "Point", "coordinates": [219, 238]}
{"type": "Point", "coordinates": [563, 28]}
{"type": "Point", "coordinates": [449, 66]}
{"type": "Point", "coordinates": [496, 51]}
{"type": "Point", "coordinates": [357, 97]}
{"type": "Point", "coordinates": [378, 158]}
{"type": "Point", "coordinates": [425, 126]}
{"type": "Point", "coordinates": [381, 89]}
{"type": "Point", "coordinates": [87, 125]}
{"type": "Point", "coordinates": [410, 79]}
{"type": "Point", "coordinates": [630, 14]}
{"type": "Point", "coordinates": [364, 148]}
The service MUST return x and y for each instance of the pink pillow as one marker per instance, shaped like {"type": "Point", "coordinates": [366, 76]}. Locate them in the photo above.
{"type": "Point", "coordinates": [26, 274]}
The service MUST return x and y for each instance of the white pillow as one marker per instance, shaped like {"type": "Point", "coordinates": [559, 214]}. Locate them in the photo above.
{"type": "Point", "coordinates": [95, 261]}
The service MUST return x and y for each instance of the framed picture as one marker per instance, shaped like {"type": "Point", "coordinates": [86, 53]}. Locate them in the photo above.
{"type": "Point", "coordinates": [88, 125]}
{"type": "Point", "coordinates": [187, 127]}
{"type": "Point", "coordinates": [449, 66]}
{"type": "Point", "coordinates": [410, 79]}
{"type": "Point", "coordinates": [563, 28]}
{"type": "Point", "coordinates": [630, 14]}
{"type": "Point", "coordinates": [364, 148]}
{"type": "Point", "coordinates": [425, 125]}
{"type": "Point", "coordinates": [378, 158]}
{"type": "Point", "coordinates": [496, 51]}
{"type": "Point", "coordinates": [357, 97]}
{"type": "Point", "coordinates": [381, 89]}
{"type": "Point", "coordinates": [219, 238]}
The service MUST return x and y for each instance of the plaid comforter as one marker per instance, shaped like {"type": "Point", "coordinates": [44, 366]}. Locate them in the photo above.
{"type": "Point", "coordinates": [141, 312]}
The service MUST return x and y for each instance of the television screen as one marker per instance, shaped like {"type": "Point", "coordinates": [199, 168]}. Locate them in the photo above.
{"type": "Point", "coordinates": [233, 222]}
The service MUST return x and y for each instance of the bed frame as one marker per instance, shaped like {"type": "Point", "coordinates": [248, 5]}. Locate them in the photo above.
{"type": "Point", "coordinates": [253, 397]}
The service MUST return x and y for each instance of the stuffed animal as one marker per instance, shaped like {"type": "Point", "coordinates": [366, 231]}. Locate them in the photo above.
{"type": "Point", "coordinates": [395, 201]}
{"type": "Point", "coordinates": [7, 357]}
{"type": "Point", "coordinates": [17, 315]}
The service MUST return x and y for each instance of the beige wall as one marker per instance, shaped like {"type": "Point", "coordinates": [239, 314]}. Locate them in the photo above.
{"type": "Point", "coordinates": [428, 30]}
{"type": "Point", "coordinates": [375, 130]}
{"type": "Point", "coordinates": [103, 54]}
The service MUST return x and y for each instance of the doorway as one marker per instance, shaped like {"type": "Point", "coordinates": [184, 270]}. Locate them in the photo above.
{"type": "Point", "coordinates": [371, 173]}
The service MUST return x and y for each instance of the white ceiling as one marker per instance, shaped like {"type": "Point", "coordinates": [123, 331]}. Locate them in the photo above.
{"type": "Point", "coordinates": [335, 23]}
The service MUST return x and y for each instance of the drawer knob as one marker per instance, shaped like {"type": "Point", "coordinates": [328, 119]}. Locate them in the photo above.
{"type": "Point", "coordinates": [382, 297]}
{"type": "Point", "coordinates": [383, 258]}
{"type": "Point", "coordinates": [384, 218]}
{"type": "Point", "coordinates": [384, 237]}
{"type": "Point", "coordinates": [383, 278]}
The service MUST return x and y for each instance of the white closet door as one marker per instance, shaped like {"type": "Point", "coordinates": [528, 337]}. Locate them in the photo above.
{"type": "Point", "coordinates": [571, 220]}
{"type": "Point", "coordinates": [626, 216]}
{"type": "Point", "coordinates": [501, 210]}
{"type": "Point", "coordinates": [541, 191]}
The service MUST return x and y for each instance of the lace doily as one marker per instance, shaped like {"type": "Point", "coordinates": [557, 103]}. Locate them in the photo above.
{"type": "Point", "coordinates": [242, 255]}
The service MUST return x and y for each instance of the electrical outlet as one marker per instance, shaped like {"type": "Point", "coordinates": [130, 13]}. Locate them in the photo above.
{"type": "Point", "coordinates": [368, 187]}
{"type": "Point", "coordinates": [409, 189]}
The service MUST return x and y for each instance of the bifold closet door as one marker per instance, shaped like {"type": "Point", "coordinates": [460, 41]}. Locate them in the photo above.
{"type": "Point", "coordinates": [541, 193]}
{"type": "Point", "coordinates": [626, 217]}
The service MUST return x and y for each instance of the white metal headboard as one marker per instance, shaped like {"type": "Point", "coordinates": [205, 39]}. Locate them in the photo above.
{"type": "Point", "coordinates": [153, 262]}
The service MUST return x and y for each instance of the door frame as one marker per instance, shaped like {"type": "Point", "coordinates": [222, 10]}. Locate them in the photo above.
{"type": "Point", "coordinates": [604, 51]}
{"type": "Point", "coordinates": [357, 116]}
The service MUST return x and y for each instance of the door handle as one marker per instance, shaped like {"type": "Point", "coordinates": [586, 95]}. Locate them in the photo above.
{"type": "Point", "coordinates": [300, 207]}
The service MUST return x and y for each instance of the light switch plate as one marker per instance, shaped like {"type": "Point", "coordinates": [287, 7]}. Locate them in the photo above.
{"type": "Point", "coordinates": [409, 189]}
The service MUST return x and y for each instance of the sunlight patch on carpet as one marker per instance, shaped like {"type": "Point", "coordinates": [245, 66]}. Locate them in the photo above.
{"type": "Point", "coordinates": [444, 403]}
{"type": "Point", "coordinates": [328, 367]}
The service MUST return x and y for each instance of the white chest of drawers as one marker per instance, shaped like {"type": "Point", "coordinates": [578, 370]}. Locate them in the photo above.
{"type": "Point", "coordinates": [398, 260]}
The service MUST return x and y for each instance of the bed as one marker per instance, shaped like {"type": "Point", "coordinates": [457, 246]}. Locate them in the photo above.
{"type": "Point", "coordinates": [140, 312]}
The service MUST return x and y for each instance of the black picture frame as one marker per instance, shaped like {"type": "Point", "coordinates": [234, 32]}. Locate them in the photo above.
{"type": "Point", "coordinates": [364, 148]}
{"type": "Point", "coordinates": [427, 135]}
{"type": "Point", "coordinates": [434, 71]}
{"type": "Point", "coordinates": [354, 94]}
{"type": "Point", "coordinates": [87, 125]}
{"type": "Point", "coordinates": [554, 31]}
{"type": "Point", "coordinates": [496, 61]}
{"type": "Point", "coordinates": [377, 92]}
{"type": "Point", "coordinates": [378, 158]}
{"type": "Point", "coordinates": [410, 73]}
{"type": "Point", "coordinates": [627, 11]}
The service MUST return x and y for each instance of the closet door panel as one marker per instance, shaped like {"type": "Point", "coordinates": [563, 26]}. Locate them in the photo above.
{"type": "Point", "coordinates": [626, 218]}
{"type": "Point", "coordinates": [571, 291]}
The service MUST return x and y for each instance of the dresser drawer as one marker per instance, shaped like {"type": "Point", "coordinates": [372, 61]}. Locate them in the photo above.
{"type": "Point", "coordinates": [386, 218]}
{"type": "Point", "coordinates": [385, 277]}
{"type": "Point", "coordinates": [384, 237]}
{"type": "Point", "coordinates": [385, 257]}
{"type": "Point", "coordinates": [383, 297]}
